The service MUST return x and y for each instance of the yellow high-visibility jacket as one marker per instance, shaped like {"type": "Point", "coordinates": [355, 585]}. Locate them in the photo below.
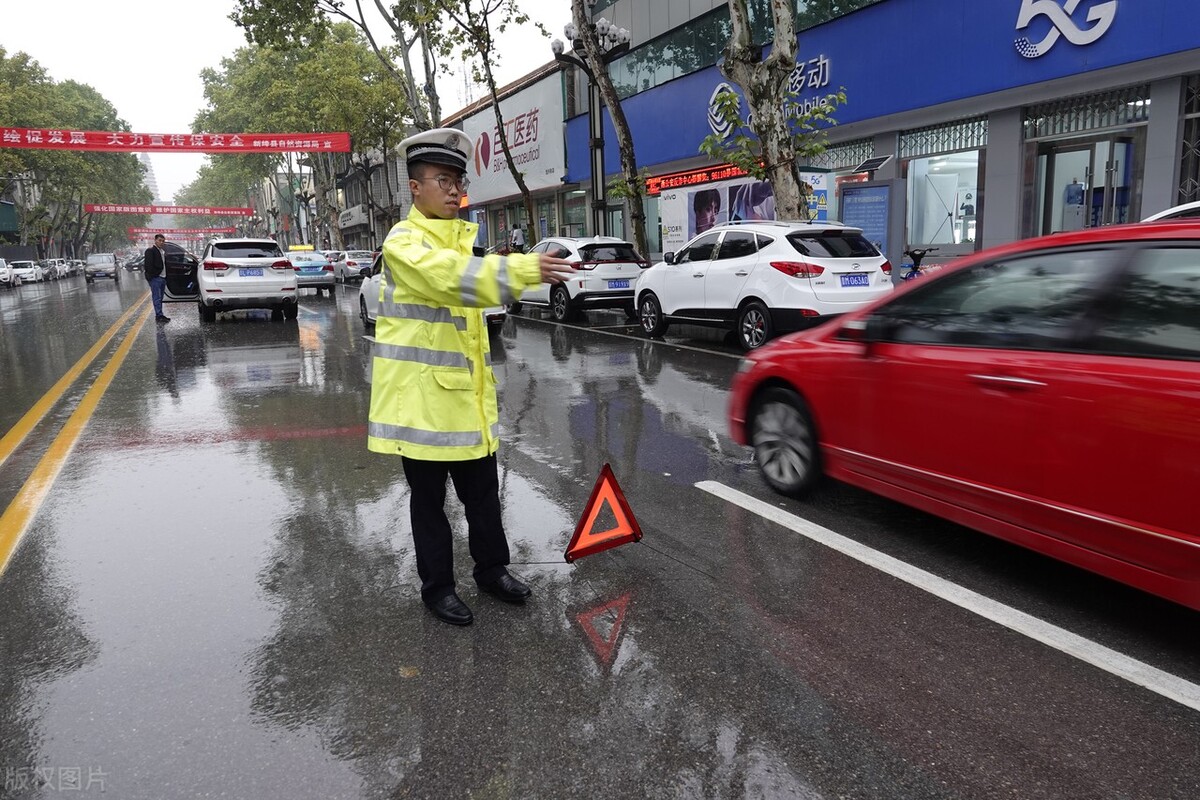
{"type": "Point", "coordinates": [433, 392]}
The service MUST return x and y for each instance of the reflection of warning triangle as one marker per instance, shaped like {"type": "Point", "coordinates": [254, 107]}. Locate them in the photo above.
{"type": "Point", "coordinates": [604, 631]}
{"type": "Point", "coordinates": [606, 495]}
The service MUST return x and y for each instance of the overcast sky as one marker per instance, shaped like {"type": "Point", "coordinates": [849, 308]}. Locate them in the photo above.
{"type": "Point", "coordinates": [145, 56]}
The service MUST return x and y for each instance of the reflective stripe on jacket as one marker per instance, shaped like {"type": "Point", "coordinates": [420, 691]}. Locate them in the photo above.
{"type": "Point", "coordinates": [433, 392]}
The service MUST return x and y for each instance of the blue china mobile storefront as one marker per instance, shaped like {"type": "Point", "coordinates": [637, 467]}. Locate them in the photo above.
{"type": "Point", "coordinates": [1004, 119]}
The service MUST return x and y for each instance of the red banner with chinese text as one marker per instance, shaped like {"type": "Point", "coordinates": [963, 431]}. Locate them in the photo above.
{"type": "Point", "coordinates": [117, 208]}
{"type": "Point", "coordinates": [128, 142]}
{"type": "Point", "coordinates": [179, 231]}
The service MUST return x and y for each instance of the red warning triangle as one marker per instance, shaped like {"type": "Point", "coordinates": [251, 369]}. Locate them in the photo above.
{"type": "Point", "coordinates": [586, 541]}
{"type": "Point", "coordinates": [605, 647]}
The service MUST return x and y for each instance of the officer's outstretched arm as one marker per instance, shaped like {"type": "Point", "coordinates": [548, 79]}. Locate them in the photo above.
{"type": "Point", "coordinates": [449, 278]}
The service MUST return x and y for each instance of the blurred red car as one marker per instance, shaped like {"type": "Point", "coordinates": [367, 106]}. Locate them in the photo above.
{"type": "Point", "coordinates": [1046, 392]}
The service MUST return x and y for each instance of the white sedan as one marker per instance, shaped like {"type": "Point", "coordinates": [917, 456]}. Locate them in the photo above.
{"type": "Point", "coordinates": [28, 271]}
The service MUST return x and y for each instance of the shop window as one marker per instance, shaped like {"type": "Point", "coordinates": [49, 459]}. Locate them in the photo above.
{"type": "Point", "coordinates": [1189, 164]}
{"type": "Point", "coordinates": [943, 198]}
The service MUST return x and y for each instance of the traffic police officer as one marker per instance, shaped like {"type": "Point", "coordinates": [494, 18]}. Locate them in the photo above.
{"type": "Point", "coordinates": [433, 393]}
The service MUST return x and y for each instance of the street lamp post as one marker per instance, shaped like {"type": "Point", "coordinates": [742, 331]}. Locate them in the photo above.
{"type": "Point", "coordinates": [274, 212]}
{"type": "Point", "coordinates": [612, 42]}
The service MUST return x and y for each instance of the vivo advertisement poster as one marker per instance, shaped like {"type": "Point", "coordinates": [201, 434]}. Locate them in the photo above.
{"type": "Point", "coordinates": [532, 121]}
{"type": "Point", "coordinates": [685, 213]}
{"type": "Point", "coordinates": [963, 49]}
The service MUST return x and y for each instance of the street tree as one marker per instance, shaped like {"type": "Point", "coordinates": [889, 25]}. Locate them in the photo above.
{"type": "Point", "coordinates": [340, 85]}
{"type": "Point", "coordinates": [778, 132]}
{"type": "Point", "coordinates": [632, 187]}
{"type": "Point", "coordinates": [413, 24]}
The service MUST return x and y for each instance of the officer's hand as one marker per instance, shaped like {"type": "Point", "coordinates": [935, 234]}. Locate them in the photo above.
{"type": "Point", "coordinates": [555, 270]}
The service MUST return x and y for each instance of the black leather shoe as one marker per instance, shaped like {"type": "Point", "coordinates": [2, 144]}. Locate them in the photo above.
{"type": "Point", "coordinates": [162, 319]}
{"type": "Point", "coordinates": [451, 609]}
{"type": "Point", "coordinates": [507, 588]}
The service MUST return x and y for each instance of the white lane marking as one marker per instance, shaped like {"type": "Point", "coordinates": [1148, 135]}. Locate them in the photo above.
{"type": "Point", "coordinates": [1163, 683]}
{"type": "Point", "coordinates": [307, 310]}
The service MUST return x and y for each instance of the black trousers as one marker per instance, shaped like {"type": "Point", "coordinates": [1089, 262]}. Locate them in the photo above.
{"type": "Point", "coordinates": [477, 485]}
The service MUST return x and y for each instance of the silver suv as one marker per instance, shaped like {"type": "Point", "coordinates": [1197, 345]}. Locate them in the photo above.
{"type": "Point", "coordinates": [608, 269]}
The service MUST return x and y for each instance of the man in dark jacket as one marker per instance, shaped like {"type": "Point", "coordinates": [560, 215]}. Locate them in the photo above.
{"type": "Point", "coordinates": [154, 266]}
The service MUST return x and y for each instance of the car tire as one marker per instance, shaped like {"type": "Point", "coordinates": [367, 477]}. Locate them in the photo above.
{"type": "Point", "coordinates": [89, 280]}
{"type": "Point", "coordinates": [650, 314]}
{"type": "Point", "coordinates": [515, 308]}
{"type": "Point", "coordinates": [291, 311]}
{"type": "Point", "coordinates": [207, 314]}
{"type": "Point", "coordinates": [781, 431]}
{"type": "Point", "coordinates": [362, 313]}
{"type": "Point", "coordinates": [560, 304]}
{"type": "Point", "coordinates": [754, 326]}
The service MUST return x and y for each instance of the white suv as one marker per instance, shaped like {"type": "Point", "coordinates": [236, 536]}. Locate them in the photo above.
{"type": "Point", "coordinates": [245, 273]}
{"type": "Point", "coordinates": [763, 278]}
{"type": "Point", "coordinates": [608, 269]}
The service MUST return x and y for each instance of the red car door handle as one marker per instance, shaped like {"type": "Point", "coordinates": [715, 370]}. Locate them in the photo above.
{"type": "Point", "coordinates": [1008, 381]}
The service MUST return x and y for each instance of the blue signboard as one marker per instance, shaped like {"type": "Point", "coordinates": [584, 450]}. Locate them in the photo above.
{"type": "Point", "coordinates": [866, 207]}
{"type": "Point", "coordinates": [932, 51]}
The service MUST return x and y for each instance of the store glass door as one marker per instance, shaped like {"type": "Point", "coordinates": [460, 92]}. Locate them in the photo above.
{"type": "Point", "coordinates": [1089, 182]}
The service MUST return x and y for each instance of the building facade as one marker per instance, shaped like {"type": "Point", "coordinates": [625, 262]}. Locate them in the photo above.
{"type": "Point", "coordinates": [1003, 119]}
{"type": "Point", "coordinates": [533, 110]}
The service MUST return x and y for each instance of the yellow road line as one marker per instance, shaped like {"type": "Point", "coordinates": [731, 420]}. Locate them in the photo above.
{"type": "Point", "coordinates": [16, 518]}
{"type": "Point", "coordinates": [17, 433]}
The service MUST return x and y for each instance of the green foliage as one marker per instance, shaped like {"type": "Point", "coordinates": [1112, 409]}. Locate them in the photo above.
{"type": "Point", "coordinates": [619, 188]}
{"type": "Point", "coordinates": [806, 134]}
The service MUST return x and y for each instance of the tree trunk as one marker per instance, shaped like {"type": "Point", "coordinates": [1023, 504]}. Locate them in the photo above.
{"type": "Point", "coordinates": [502, 135]}
{"type": "Point", "coordinates": [608, 93]}
{"type": "Point", "coordinates": [764, 82]}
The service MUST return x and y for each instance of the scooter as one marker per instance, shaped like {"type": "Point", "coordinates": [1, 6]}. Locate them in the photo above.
{"type": "Point", "coordinates": [914, 269]}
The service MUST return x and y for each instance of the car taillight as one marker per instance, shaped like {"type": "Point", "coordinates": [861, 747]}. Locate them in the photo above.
{"type": "Point", "coordinates": [297, 269]}
{"type": "Point", "coordinates": [798, 269]}
{"type": "Point", "coordinates": [584, 264]}
{"type": "Point", "coordinates": [350, 263]}
{"type": "Point", "coordinates": [643, 265]}
{"type": "Point", "coordinates": [215, 265]}
{"type": "Point", "coordinates": [283, 263]}
{"type": "Point", "coordinates": [328, 268]}
{"type": "Point", "coordinates": [886, 266]}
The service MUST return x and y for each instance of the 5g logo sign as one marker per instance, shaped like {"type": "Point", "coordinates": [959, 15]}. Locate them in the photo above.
{"type": "Point", "coordinates": [1060, 14]}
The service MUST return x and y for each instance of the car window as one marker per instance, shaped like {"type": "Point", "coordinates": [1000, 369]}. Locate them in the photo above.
{"type": "Point", "coordinates": [245, 250]}
{"type": "Point", "coordinates": [700, 250]}
{"type": "Point", "coordinates": [832, 244]}
{"type": "Point", "coordinates": [737, 244]}
{"type": "Point", "coordinates": [539, 248]}
{"type": "Point", "coordinates": [1029, 301]}
{"type": "Point", "coordinates": [608, 252]}
{"type": "Point", "coordinates": [763, 240]}
{"type": "Point", "coordinates": [1154, 310]}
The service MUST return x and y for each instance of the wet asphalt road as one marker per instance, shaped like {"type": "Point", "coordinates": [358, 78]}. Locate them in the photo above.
{"type": "Point", "coordinates": [217, 596]}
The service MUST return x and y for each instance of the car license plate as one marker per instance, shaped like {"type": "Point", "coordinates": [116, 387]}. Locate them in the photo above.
{"type": "Point", "coordinates": [856, 280]}
{"type": "Point", "coordinates": [621, 284]}
{"type": "Point", "coordinates": [250, 272]}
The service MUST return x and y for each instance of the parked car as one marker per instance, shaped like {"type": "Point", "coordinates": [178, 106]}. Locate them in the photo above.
{"type": "Point", "coordinates": [368, 299]}
{"type": "Point", "coordinates": [101, 265]}
{"type": "Point", "coordinates": [243, 273]}
{"type": "Point", "coordinates": [762, 279]}
{"type": "Point", "coordinates": [1185, 211]}
{"type": "Point", "coordinates": [312, 270]}
{"type": "Point", "coordinates": [608, 269]}
{"type": "Point", "coordinates": [28, 271]}
{"type": "Point", "coordinates": [1046, 392]}
{"type": "Point", "coordinates": [351, 264]}
{"type": "Point", "coordinates": [8, 275]}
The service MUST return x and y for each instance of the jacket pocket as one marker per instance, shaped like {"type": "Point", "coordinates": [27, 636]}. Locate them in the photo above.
{"type": "Point", "coordinates": [453, 379]}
